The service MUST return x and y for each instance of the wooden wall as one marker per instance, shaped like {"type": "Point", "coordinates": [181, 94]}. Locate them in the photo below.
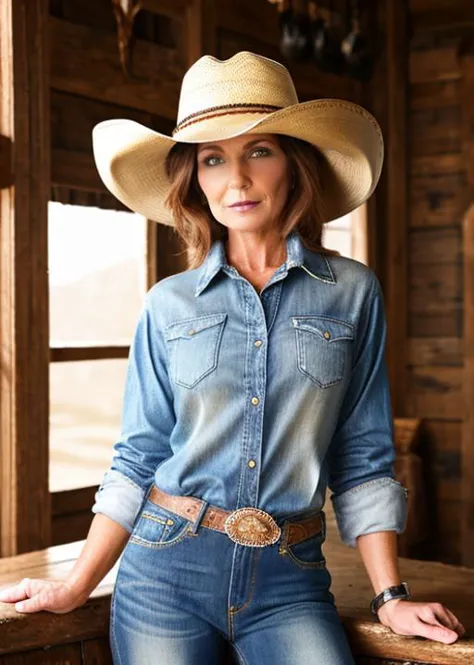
{"type": "Point", "coordinates": [87, 85]}
{"type": "Point", "coordinates": [438, 200]}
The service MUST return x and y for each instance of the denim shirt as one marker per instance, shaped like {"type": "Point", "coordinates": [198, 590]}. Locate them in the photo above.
{"type": "Point", "coordinates": [263, 400]}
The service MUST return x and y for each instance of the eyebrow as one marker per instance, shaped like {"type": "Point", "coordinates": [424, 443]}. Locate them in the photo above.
{"type": "Point", "coordinates": [249, 144]}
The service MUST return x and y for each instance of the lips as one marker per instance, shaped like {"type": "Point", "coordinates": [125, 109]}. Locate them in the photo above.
{"type": "Point", "coordinates": [243, 206]}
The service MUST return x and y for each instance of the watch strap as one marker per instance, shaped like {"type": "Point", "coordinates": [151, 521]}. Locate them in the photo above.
{"type": "Point", "coordinates": [399, 591]}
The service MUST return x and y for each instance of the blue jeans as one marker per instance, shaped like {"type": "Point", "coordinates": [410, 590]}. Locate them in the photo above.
{"type": "Point", "coordinates": [182, 591]}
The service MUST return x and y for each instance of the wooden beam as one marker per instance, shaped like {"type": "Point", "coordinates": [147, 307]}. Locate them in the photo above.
{"type": "Point", "coordinates": [396, 287]}
{"type": "Point", "coordinates": [85, 62]}
{"type": "Point", "coordinates": [439, 64]}
{"type": "Point", "coordinates": [467, 448]}
{"type": "Point", "coordinates": [25, 518]}
{"type": "Point", "coordinates": [467, 491]}
{"type": "Point", "coordinates": [71, 168]}
{"type": "Point", "coordinates": [73, 353]}
{"type": "Point", "coordinates": [443, 19]}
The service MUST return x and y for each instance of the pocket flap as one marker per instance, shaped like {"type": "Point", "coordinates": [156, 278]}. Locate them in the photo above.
{"type": "Point", "coordinates": [329, 329]}
{"type": "Point", "coordinates": [190, 327]}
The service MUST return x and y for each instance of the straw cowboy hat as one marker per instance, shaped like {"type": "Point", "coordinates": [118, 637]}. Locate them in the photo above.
{"type": "Point", "coordinates": [221, 99]}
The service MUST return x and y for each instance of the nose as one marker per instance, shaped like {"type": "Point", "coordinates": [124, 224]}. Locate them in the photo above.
{"type": "Point", "coordinates": [238, 177]}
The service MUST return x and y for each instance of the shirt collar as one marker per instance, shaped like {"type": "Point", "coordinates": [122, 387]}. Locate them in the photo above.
{"type": "Point", "coordinates": [314, 263]}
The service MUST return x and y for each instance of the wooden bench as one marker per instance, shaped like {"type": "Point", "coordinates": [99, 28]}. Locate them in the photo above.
{"type": "Point", "coordinates": [81, 637]}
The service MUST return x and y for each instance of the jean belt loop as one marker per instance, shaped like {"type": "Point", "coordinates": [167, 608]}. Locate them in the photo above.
{"type": "Point", "coordinates": [198, 520]}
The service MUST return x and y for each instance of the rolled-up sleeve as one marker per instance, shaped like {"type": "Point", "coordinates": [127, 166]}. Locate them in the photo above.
{"type": "Point", "coordinates": [148, 419]}
{"type": "Point", "coordinates": [366, 497]}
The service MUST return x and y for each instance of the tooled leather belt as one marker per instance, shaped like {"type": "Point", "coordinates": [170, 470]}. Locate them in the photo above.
{"type": "Point", "coordinates": [245, 526]}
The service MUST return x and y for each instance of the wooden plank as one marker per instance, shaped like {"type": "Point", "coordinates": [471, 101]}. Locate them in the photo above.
{"type": "Point", "coordinates": [440, 64]}
{"type": "Point", "coordinates": [63, 655]}
{"type": "Point", "coordinates": [73, 118]}
{"type": "Point", "coordinates": [437, 164]}
{"type": "Point", "coordinates": [435, 245]}
{"type": "Point", "coordinates": [468, 427]}
{"type": "Point", "coordinates": [418, 7]}
{"type": "Point", "coordinates": [96, 652]}
{"type": "Point", "coordinates": [435, 351]}
{"type": "Point", "coordinates": [435, 392]}
{"type": "Point", "coordinates": [73, 353]}
{"type": "Point", "coordinates": [67, 528]}
{"type": "Point", "coordinates": [467, 519]}
{"type": "Point", "coordinates": [173, 8]}
{"type": "Point", "coordinates": [86, 622]}
{"type": "Point", "coordinates": [72, 501]}
{"type": "Point", "coordinates": [440, 14]}
{"type": "Point", "coordinates": [438, 199]}
{"type": "Point", "coordinates": [436, 289]}
{"type": "Point", "coordinates": [467, 113]}
{"type": "Point", "coordinates": [76, 170]}
{"type": "Point", "coordinates": [24, 328]}
{"type": "Point", "coordinates": [6, 174]}
{"type": "Point", "coordinates": [435, 324]}
{"type": "Point", "coordinates": [395, 251]}
{"type": "Point", "coordinates": [85, 62]}
{"type": "Point", "coordinates": [434, 131]}
{"type": "Point", "coordinates": [434, 95]}
{"type": "Point", "coordinates": [246, 18]}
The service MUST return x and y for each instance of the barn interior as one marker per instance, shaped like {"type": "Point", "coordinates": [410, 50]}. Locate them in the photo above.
{"type": "Point", "coordinates": [75, 265]}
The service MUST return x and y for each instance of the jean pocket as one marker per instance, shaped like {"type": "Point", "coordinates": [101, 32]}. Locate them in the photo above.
{"type": "Point", "coordinates": [157, 527]}
{"type": "Point", "coordinates": [307, 552]}
{"type": "Point", "coordinates": [194, 347]}
{"type": "Point", "coordinates": [323, 348]}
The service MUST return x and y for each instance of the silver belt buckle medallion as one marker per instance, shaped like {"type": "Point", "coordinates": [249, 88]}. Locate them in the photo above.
{"type": "Point", "coordinates": [252, 527]}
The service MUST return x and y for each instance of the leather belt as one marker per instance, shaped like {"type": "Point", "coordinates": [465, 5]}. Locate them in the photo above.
{"type": "Point", "coordinates": [245, 526]}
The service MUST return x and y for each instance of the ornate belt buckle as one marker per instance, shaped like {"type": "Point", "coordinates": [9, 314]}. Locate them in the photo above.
{"type": "Point", "coordinates": [253, 527]}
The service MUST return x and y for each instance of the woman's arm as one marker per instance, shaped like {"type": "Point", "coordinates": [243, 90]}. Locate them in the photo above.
{"type": "Point", "coordinates": [430, 620]}
{"type": "Point", "coordinates": [369, 504]}
{"type": "Point", "coordinates": [105, 542]}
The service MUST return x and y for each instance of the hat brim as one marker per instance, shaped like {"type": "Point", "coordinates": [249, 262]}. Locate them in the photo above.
{"type": "Point", "coordinates": [131, 158]}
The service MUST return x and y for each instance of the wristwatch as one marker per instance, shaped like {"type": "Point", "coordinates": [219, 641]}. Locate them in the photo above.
{"type": "Point", "coordinates": [400, 591]}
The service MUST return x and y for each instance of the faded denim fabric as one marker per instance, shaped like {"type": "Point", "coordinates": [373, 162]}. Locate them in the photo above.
{"type": "Point", "coordinates": [182, 591]}
{"type": "Point", "coordinates": [265, 400]}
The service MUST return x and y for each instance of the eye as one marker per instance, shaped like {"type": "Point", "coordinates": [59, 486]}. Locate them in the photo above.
{"type": "Point", "coordinates": [264, 152]}
{"type": "Point", "coordinates": [208, 161]}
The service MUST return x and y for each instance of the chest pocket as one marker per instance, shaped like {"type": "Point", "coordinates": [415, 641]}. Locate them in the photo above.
{"type": "Point", "coordinates": [194, 347]}
{"type": "Point", "coordinates": [323, 348]}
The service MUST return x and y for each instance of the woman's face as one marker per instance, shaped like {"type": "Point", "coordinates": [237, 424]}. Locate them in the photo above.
{"type": "Point", "coordinates": [251, 167]}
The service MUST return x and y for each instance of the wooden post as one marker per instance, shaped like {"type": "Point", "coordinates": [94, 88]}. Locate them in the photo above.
{"type": "Point", "coordinates": [467, 447]}
{"type": "Point", "coordinates": [24, 398]}
{"type": "Point", "coordinates": [396, 212]}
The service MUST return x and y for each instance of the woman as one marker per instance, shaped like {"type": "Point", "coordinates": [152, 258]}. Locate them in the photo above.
{"type": "Point", "coordinates": [256, 379]}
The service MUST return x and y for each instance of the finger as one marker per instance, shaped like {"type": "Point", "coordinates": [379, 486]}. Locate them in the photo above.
{"type": "Point", "coordinates": [456, 624]}
{"type": "Point", "coordinates": [437, 614]}
{"type": "Point", "coordinates": [436, 632]}
{"type": "Point", "coordinates": [38, 602]}
{"type": "Point", "coordinates": [16, 592]}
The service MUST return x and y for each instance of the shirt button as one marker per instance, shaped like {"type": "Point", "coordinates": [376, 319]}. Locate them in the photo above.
{"type": "Point", "coordinates": [252, 463]}
{"type": "Point", "coordinates": [255, 401]}
{"type": "Point", "coordinates": [257, 343]}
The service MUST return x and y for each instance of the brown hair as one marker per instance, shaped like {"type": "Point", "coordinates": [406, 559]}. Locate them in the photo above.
{"type": "Point", "coordinates": [197, 227]}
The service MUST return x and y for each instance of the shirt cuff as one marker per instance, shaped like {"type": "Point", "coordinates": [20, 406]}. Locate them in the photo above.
{"type": "Point", "coordinates": [377, 505]}
{"type": "Point", "coordinates": [119, 498]}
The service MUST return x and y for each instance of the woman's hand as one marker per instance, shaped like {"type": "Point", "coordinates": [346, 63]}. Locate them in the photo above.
{"type": "Point", "coordinates": [431, 620]}
{"type": "Point", "coordinates": [32, 595]}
